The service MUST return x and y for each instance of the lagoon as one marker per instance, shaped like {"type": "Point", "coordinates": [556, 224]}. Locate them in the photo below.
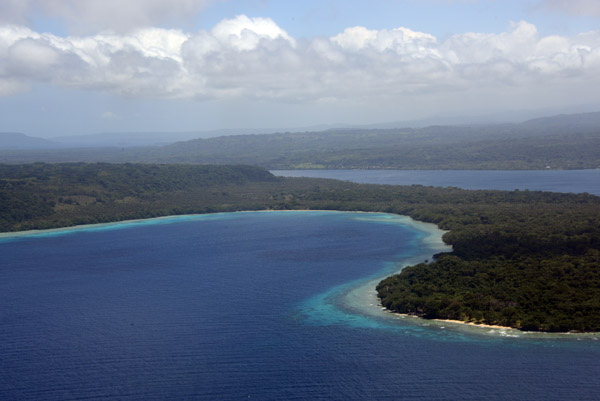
{"type": "Point", "coordinates": [253, 305]}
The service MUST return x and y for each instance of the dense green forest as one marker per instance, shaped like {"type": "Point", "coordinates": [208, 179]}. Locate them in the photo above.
{"type": "Point", "coordinates": [524, 259]}
{"type": "Point", "coordinates": [38, 196]}
{"type": "Point", "coordinates": [561, 142]}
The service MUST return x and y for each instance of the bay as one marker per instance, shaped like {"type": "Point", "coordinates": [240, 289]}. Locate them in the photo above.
{"type": "Point", "coordinates": [576, 181]}
{"type": "Point", "coordinates": [253, 305]}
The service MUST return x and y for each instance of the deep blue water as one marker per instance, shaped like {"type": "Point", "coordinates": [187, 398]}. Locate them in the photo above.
{"type": "Point", "coordinates": [251, 306]}
{"type": "Point", "coordinates": [576, 181]}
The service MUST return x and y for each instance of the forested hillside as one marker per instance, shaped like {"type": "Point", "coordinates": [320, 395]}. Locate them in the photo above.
{"type": "Point", "coordinates": [524, 259]}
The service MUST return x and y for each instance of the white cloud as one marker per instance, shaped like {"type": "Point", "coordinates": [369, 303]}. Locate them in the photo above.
{"type": "Point", "coordinates": [253, 58]}
{"type": "Point", "coordinates": [243, 33]}
{"type": "Point", "coordinates": [400, 40]}
{"type": "Point", "coordinates": [34, 54]}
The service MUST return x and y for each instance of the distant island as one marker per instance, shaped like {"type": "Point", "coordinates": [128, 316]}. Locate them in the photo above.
{"type": "Point", "coordinates": [523, 259]}
{"type": "Point", "coordinates": [557, 142]}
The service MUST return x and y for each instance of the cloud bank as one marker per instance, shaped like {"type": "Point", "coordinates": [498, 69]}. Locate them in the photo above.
{"type": "Point", "coordinates": [253, 58]}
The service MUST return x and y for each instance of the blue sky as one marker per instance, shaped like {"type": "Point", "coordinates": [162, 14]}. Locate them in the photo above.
{"type": "Point", "coordinates": [438, 17]}
{"type": "Point", "coordinates": [72, 67]}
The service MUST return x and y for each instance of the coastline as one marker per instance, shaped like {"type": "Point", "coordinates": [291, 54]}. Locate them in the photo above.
{"type": "Point", "coordinates": [363, 298]}
{"type": "Point", "coordinates": [487, 326]}
{"type": "Point", "coordinates": [504, 330]}
{"type": "Point", "coordinates": [176, 217]}
{"type": "Point", "coordinates": [90, 227]}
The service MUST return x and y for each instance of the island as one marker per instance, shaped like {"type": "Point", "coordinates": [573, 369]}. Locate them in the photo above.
{"type": "Point", "coordinates": [523, 259]}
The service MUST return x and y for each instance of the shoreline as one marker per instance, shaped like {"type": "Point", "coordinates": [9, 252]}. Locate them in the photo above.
{"type": "Point", "coordinates": [487, 326]}
{"type": "Point", "coordinates": [581, 334]}
{"type": "Point", "coordinates": [489, 329]}
{"type": "Point", "coordinates": [430, 244]}
{"type": "Point", "coordinates": [57, 230]}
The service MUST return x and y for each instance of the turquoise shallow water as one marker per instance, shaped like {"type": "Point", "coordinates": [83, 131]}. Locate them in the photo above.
{"type": "Point", "coordinates": [264, 305]}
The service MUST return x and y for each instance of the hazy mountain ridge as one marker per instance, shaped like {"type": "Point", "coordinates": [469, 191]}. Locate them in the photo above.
{"type": "Point", "coordinates": [137, 139]}
{"type": "Point", "coordinates": [17, 140]}
{"type": "Point", "coordinates": [128, 139]}
{"type": "Point", "coordinates": [559, 142]}
{"type": "Point", "coordinates": [571, 141]}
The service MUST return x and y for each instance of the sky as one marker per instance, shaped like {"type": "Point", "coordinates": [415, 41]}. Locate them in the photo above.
{"type": "Point", "coordinates": [72, 67]}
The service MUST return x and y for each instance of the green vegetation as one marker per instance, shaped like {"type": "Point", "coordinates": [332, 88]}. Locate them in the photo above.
{"type": "Point", "coordinates": [524, 259]}
{"type": "Point", "coordinates": [38, 196]}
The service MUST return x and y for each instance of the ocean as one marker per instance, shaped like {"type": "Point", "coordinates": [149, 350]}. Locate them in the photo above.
{"type": "Point", "coordinates": [253, 305]}
{"type": "Point", "coordinates": [576, 181]}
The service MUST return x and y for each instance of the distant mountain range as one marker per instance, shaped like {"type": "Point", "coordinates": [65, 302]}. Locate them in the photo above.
{"type": "Point", "coordinates": [559, 142]}
{"type": "Point", "coordinates": [137, 139]}
{"type": "Point", "coordinates": [124, 139]}
{"type": "Point", "coordinates": [567, 142]}
{"type": "Point", "coordinates": [16, 140]}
